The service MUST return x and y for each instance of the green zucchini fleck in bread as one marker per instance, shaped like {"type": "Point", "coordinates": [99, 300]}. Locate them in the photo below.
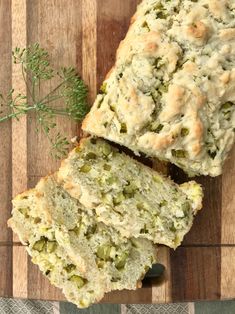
{"type": "Point", "coordinates": [171, 93]}
{"type": "Point", "coordinates": [78, 254]}
{"type": "Point", "coordinates": [128, 196]}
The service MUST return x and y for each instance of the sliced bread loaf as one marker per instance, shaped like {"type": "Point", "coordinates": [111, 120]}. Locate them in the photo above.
{"type": "Point", "coordinates": [81, 256]}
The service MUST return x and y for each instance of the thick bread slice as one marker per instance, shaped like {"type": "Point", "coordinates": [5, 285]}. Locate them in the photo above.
{"type": "Point", "coordinates": [53, 260]}
{"type": "Point", "coordinates": [82, 257]}
{"type": "Point", "coordinates": [171, 93]}
{"type": "Point", "coordinates": [122, 261]}
{"type": "Point", "coordinates": [129, 196]}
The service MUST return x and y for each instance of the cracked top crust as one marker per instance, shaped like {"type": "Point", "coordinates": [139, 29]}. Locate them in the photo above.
{"type": "Point", "coordinates": [171, 93]}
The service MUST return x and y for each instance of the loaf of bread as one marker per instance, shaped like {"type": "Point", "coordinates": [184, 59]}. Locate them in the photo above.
{"type": "Point", "coordinates": [171, 93]}
{"type": "Point", "coordinates": [78, 254]}
{"type": "Point", "coordinates": [128, 196]}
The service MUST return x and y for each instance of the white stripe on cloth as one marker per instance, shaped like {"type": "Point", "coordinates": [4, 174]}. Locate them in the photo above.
{"type": "Point", "coordinates": [56, 307]}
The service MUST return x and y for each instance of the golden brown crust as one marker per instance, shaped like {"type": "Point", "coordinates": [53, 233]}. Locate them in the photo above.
{"type": "Point", "coordinates": [198, 30]}
{"type": "Point", "coordinates": [227, 34]}
{"type": "Point", "coordinates": [109, 73]}
{"type": "Point", "coordinates": [85, 122]}
{"type": "Point", "coordinates": [133, 19]}
{"type": "Point", "coordinates": [218, 8]}
{"type": "Point", "coordinates": [139, 284]}
{"type": "Point", "coordinates": [174, 102]}
{"type": "Point", "coordinates": [225, 77]}
{"type": "Point", "coordinates": [156, 141]}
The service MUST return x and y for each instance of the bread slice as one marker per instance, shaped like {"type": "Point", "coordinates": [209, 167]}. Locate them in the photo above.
{"type": "Point", "coordinates": [78, 254]}
{"type": "Point", "coordinates": [128, 196]}
{"type": "Point", "coordinates": [52, 258]}
{"type": "Point", "coordinates": [125, 260]}
{"type": "Point", "coordinates": [171, 93]}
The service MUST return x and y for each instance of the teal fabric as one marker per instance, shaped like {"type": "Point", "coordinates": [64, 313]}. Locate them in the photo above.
{"type": "Point", "coordinates": [68, 308]}
{"type": "Point", "coordinates": [176, 308]}
{"type": "Point", "coordinates": [13, 306]}
{"type": "Point", "coordinates": [215, 307]}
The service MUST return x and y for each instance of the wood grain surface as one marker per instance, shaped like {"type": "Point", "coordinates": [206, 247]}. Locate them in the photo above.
{"type": "Point", "coordinates": [5, 153]}
{"type": "Point", "coordinates": [85, 34]}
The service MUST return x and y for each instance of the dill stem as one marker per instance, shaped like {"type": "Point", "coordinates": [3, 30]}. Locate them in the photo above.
{"type": "Point", "coordinates": [45, 101]}
{"type": "Point", "coordinates": [61, 112]}
{"type": "Point", "coordinates": [54, 90]}
{"type": "Point", "coordinates": [25, 80]}
{"type": "Point", "coordinates": [16, 114]}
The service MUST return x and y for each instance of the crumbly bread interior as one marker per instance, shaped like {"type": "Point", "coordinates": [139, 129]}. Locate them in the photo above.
{"type": "Point", "coordinates": [78, 254]}
{"type": "Point", "coordinates": [53, 260]}
{"type": "Point", "coordinates": [126, 195]}
{"type": "Point", "coordinates": [122, 259]}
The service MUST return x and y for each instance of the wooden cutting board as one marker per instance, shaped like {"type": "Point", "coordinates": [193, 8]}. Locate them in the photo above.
{"type": "Point", "coordinates": [85, 34]}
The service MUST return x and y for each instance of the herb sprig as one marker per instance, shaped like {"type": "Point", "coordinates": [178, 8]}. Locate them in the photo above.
{"type": "Point", "coordinates": [70, 90]}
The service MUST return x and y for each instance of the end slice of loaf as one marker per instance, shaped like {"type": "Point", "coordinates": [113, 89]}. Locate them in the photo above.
{"type": "Point", "coordinates": [53, 260]}
{"type": "Point", "coordinates": [126, 195]}
{"type": "Point", "coordinates": [171, 92]}
{"type": "Point", "coordinates": [81, 256]}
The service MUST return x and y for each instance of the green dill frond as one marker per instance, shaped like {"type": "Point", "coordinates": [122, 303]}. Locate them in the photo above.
{"type": "Point", "coordinates": [74, 92]}
{"type": "Point", "coordinates": [35, 61]}
{"type": "Point", "coordinates": [70, 93]}
{"type": "Point", "coordinates": [60, 146]}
